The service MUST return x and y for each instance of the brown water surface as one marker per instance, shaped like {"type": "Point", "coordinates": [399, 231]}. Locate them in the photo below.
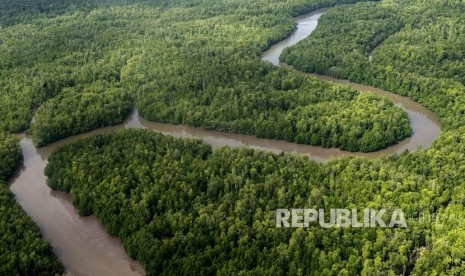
{"type": "Point", "coordinates": [82, 244]}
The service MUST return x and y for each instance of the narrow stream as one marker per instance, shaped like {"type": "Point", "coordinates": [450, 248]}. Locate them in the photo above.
{"type": "Point", "coordinates": [82, 244]}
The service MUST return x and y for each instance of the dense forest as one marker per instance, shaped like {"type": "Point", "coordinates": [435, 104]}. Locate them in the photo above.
{"type": "Point", "coordinates": [74, 112]}
{"type": "Point", "coordinates": [10, 155]}
{"type": "Point", "coordinates": [421, 56]}
{"type": "Point", "coordinates": [205, 211]}
{"type": "Point", "coordinates": [211, 211]}
{"type": "Point", "coordinates": [181, 207]}
{"type": "Point", "coordinates": [414, 48]}
{"type": "Point", "coordinates": [184, 62]}
{"type": "Point", "coordinates": [23, 251]}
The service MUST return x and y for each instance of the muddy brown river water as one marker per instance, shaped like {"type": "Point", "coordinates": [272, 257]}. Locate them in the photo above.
{"type": "Point", "coordinates": [82, 244]}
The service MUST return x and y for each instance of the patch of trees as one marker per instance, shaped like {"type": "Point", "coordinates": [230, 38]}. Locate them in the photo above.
{"type": "Point", "coordinates": [185, 62]}
{"type": "Point", "coordinates": [181, 207]}
{"type": "Point", "coordinates": [211, 211]}
{"type": "Point", "coordinates": [23, 251]}
{"type": "Point", "coordinates": [283, 105]}
{"type": "Point", "coordinates": [414, 48]}
{"type": "Point", "coordinates": [10, 155]}
{"type": "Point", "coordinates": [345, 35]}
{"type": "Point", "coordinates": [423, 60]}
{"type": "Point", "coordinates": [76, 112]}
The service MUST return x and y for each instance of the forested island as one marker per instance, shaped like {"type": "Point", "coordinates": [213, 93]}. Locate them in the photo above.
{"type": "Point", "coordinates": [180, 206]}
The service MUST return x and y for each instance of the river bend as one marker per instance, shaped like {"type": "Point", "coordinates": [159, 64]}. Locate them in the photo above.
{"type": "Point", "coordinates": [82, 243]}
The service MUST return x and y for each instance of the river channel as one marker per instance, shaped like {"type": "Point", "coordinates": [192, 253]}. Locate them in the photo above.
{"type": "Point", "coordinates": [82, 243]}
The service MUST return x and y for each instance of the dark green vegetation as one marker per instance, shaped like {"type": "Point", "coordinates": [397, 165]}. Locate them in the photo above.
{"type": "Point", "coordinates": [10, 155]}
{"type": "Point", "coordinates": [205, 211]}
{"type": "Point", "coordinates": [23, 251]}
{"type": "Point", "coordinates": [72, 113]}
{"type": "Point", "coordinates": [421, 56]}
{"type": "Point", "coordinates": [329, 115]}
{"type": "Point", "coordinates": [181, 207]}
{"type": "Point", "coordinates": [185, 62]}
{"type": "Point", "coordinates": [417, 50]}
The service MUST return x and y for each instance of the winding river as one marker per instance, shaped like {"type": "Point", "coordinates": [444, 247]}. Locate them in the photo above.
{"type": "Point", "coordinates": [82, 244]}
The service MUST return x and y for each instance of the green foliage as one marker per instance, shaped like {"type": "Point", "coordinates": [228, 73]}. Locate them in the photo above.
{"type": "Point", "coordinates": [187, 62]}
{"type": "Point", "coordinates": [23, 251]}
{"type": "Point", "coordinates": [284, 106]}
{"type": "Point", "coordinates": [422, 57]}
{"type": "Point", "coordinates": [10, 154]}
{"type": "Point", "coordinates": [446, 253]}
{"type": "Point", "coordinates": [182, 208]}
{"type": "Point", "coordinates": [205, 211]}
{"type": "Point", "coordinates": [345, 35]}
{"type": "Point", "coordinates": [212, 212]}
{"type": "Point", "coordinates": [414, 48]}
{"type": "Point", "coordinates": [74, 112]}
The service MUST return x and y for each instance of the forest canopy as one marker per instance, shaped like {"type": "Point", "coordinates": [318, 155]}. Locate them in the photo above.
{"type": "Point", "coordinates": [215, 207]}
{"type": "Point", "coordinates": [184, 62]}
{"type": "Point", "coordinates": [181, 207]}
{"type": "Point", "coordinates": [414, 48]}
{"type": "Point", "coordinates": [75, 112]}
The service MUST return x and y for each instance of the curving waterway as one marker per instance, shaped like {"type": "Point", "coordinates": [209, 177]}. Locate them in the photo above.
{"type": "Point", "coordinates": [425, 125]}
{"type": "Point", "coordinates": [82, 243]}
